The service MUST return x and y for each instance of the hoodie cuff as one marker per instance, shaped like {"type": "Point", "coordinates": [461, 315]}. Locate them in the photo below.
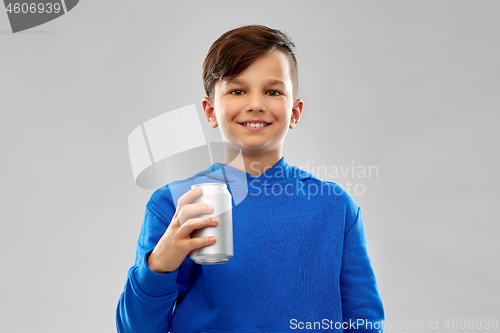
{"type": "Point", "coordinates": [152, 283]}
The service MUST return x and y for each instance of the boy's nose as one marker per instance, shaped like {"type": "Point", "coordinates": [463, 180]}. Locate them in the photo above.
{"type": "Point", "coordinates": [255, 102]}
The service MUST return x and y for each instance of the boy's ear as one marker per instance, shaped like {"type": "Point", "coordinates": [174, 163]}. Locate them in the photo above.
{"type": "Point", "coordinates": [296, 112]}
{"type": "Point", "coordinates": [209, 111]}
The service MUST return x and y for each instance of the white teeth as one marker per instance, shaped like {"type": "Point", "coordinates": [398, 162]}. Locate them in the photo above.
{"type": "Point", "coordinates": [258, 125]}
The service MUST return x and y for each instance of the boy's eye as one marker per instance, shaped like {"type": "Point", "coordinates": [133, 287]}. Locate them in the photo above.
{"type": "Point", "coordinates": [236, 92]}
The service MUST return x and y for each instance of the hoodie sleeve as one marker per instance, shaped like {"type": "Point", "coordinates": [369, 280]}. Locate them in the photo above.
{"type": "Point", "coordinates": [362, 307]}
{"type": "Point", "coordinates": [148, 298]}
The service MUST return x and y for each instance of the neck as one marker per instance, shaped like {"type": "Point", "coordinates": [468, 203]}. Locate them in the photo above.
{"type": "Point", "coordinates": [250, 161]}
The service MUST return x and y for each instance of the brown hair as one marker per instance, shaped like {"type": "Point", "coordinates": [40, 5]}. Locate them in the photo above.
{"type": "Point", "coordinates": [237, 49]}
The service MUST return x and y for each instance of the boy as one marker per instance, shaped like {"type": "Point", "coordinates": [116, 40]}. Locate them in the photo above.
{"type": "Point", "coordinates": [300, 257]}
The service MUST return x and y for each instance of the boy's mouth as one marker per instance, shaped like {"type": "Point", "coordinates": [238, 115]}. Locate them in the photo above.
{"type": "Point", "coordinates": [255, 125]}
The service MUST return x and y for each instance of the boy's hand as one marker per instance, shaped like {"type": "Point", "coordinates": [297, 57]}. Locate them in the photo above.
{"type": "Point", "coordinates": [176, 242]}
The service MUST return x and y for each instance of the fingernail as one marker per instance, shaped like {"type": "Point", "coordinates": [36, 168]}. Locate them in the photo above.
{"type": "Point", "coordinates": [212, 239]}
{"type": "Point", "coordinates": [214, 219]}
{"type": "Point", "coordinates": [211, 207]}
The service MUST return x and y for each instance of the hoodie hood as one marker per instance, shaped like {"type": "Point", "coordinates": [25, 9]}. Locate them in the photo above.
{"type": "Point", "coordinates": [280, 173]}
{"type": "Point", "coordinates": [239, 182]}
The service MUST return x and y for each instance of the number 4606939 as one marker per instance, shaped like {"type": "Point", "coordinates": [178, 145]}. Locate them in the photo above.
{"type": "Point", "coordinates": [33, 8]}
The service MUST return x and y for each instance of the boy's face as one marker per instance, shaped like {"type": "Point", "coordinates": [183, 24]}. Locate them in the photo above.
{"type": "Point", "coordinates": [263, 92]}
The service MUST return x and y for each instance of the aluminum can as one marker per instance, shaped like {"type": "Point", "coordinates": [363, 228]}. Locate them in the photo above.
{"type": "Point", "coordinates": [218, 195]}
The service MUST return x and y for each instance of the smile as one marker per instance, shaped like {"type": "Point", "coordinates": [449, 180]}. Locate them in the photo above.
{"type": "Point", "coordinates": [255, 126]}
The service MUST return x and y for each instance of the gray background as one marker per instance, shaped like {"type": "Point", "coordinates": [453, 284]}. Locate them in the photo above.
{"type": "Point", "coordinates": [411, 87]}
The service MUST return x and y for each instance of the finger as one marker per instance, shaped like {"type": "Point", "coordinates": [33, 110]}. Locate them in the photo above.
{"type": "Point", "coordinates": [185, 199]}
{"type": "Point", "coordinates": [196, 243]}
{"type": "Point", "coordinates": [188, 197]}
{"type": "Point", "coordinates": [194, 210]}
{"type": "Point", "coordinates": [195, 224]}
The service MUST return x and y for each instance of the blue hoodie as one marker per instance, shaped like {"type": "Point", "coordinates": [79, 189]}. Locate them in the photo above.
{"type": "Point", "coordinates": [300, 262]}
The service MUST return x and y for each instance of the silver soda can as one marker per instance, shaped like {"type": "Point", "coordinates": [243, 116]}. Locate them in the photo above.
{"type": "Point", "coordinates": [218, 195]}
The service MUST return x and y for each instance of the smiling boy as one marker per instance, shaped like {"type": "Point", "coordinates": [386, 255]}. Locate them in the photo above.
{"type": "Point", "coordinates": [300, 252]}
{"type": "Point", "coordinates": [263, 94]}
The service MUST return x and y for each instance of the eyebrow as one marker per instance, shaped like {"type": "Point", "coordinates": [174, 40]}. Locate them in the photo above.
{"type": "Point", "coordinates": [270, 82]}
